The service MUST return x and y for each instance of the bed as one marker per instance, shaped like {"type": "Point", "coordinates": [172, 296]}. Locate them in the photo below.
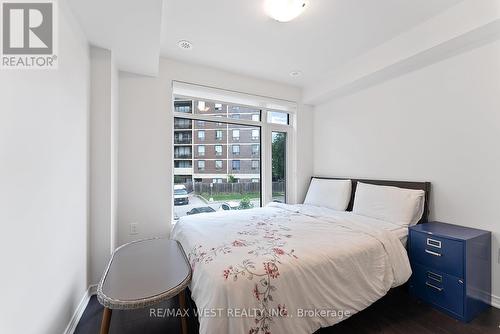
{"type": "Point", "coordinates": [291, 268]}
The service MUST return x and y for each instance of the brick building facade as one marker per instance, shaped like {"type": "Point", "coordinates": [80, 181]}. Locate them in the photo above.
{"type": "Point", "coordinates": [210, 152]}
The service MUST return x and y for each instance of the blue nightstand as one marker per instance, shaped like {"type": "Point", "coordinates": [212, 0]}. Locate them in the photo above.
{"type": "Point", "coordinates": [451, 268]}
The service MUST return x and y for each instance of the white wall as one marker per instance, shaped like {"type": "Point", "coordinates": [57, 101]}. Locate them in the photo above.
{"type": "Point", "coordinates": [439, 124]}
{"type": "Point", "coordinates": [304, 161]}
{"type": "Point", "coordinates": [145, 140]}
{"type": "Point", "coordinates": [102, 160]}
{"type": "Point", "coordinates": [43, 192]}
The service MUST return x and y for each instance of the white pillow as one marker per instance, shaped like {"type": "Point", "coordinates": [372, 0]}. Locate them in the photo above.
{"type": "Point", "coordinates": [392, 204]}
{"type": "Point", "coordinates": [332, 194]}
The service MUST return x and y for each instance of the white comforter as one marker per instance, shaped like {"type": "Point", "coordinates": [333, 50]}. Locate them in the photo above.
{"type": "Point", "coordinates": [286, 268]}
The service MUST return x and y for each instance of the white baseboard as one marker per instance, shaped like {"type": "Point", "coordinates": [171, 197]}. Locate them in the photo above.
{"type": "Point", "coordinates": [70, 329]}
{"type": "Point", "coordinates": [495, 301]}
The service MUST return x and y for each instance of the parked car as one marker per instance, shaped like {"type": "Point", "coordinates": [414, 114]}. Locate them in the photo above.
{"type": "Point", "coordinates": [202, 209]}
{"type": "Point", "coordinates": [230, 206]}
{"type": "Point", "coordinates": [181, 196]}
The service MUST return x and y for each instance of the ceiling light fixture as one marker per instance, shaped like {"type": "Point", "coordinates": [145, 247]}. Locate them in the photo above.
{"type": "Point", "coordinates": [284, 10]}
{"type": "Point", "coordinates": [295, 74]}
{"type": "Point", "coordinates": [185, 45]}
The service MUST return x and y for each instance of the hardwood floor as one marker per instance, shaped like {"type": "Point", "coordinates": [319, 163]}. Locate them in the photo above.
{"type": "Point", "coordinates": [397, 313]}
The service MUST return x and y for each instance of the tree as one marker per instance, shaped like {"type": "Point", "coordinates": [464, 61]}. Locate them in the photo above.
{"type": "Point", "coordinates": [245, 204]}
{"type": "Point", "coordinates": [279, 158]}
{"type": "Point", "coordinates": [231, 179]}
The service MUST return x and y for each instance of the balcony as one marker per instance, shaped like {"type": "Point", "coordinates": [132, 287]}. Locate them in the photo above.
{"type": "Point", "coordinates": [183, 171]}
{"type": "Point", "coordinates": [183, 156]}
{"type": "Point", "coordinates": [183, 140]}
{"type": "Point", "coordinates": [182, 124]}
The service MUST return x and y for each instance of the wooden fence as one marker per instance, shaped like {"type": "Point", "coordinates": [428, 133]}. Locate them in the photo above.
{"type": "Point", "coordinates": [231, 188]}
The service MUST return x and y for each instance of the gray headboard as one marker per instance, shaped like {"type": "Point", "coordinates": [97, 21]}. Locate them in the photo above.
{"type": "Point", "coordinates": [425, 186]}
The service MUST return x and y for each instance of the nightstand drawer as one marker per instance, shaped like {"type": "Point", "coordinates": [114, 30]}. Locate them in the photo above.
{"type": "Point", "coordinates": [443, 254]}
{"type": "Point", "coordinates": [438, 288]}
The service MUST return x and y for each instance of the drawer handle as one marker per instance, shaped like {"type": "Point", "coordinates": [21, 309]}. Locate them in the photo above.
{"type": "Point", "coordinates": [432, 253]}
{"type": "Point", "coordinates": [433, 286]}
{"type": "Point", "coordinates": [433, 243]}
{"type": "Point", "coordinates": [435, 277]}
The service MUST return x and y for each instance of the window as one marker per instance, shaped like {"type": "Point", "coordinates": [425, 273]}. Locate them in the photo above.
{"type": "Point", "coordinates": [218, 150]}
{"type": "Point", "coordinates": [202, 106]}
{"type": "Point", "coordinates": [183, 164]}
{"type": "Point", "coordinates": [277, 117]}
{"type": "Point", "coordinates": [201, 135]}
{"type": "Point", "coordinates": [201, 164]}
{"type": "Point", "coordinates": [182, 137]}
{"type": "Point", "coordinates": [183, 106]}
{"type": "Point", "coordinates": [210, 141]}
{"type": "Point", "coordinates": [255, 134]}
{"type": "Point", "coordinates": [201, 150]}
{"type": "Point", "coordinates": [182, 152]}
{"type": "Point", "coordinates": [279, 166]}
{"type": "Point", "coordinates": [256, 117]}
{"type": "Point", "coordinates": [182, 123]}
{"type": "Point", "coordinates": [255, 164]}
{"type": "Point", "coordinates": [255, 149]}
{"type": "Point", "coordinates": [235, 165]}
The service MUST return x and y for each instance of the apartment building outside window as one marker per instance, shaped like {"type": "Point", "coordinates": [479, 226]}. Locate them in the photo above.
{"type": "Point", "coordinates": [235, 133]}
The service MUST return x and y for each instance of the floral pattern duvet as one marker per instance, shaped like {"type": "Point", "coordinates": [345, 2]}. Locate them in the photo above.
{"type": "Point", "coordinates": [286, 268]}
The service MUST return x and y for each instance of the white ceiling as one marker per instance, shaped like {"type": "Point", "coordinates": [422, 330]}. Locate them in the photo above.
{"type": "Point", "coordinates": [129, 28]}
{"type": "Point", "coordinates": [236, 35]}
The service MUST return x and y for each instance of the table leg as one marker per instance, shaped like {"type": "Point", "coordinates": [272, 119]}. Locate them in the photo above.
{"type": "Point", "coordinates": [182, 304]}
{"type": "Point", "coordinates": [106, 320]}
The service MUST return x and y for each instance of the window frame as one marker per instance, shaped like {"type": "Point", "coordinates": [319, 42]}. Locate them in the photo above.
{"type": "Point", "coordinates": [265, 139]}
{"type": "Point", "coordinates": [217, 153]}
{"type": "Point", "coordinates": [233, 146]}
{"type": "Point", "coordinates": [204, 165]}
{"type": "Point", "coordinates": [221, 164]}
{"type": "Point", "coordinates": [239, 164]}
{"type": "Point", "coordinates": [200, 154]}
